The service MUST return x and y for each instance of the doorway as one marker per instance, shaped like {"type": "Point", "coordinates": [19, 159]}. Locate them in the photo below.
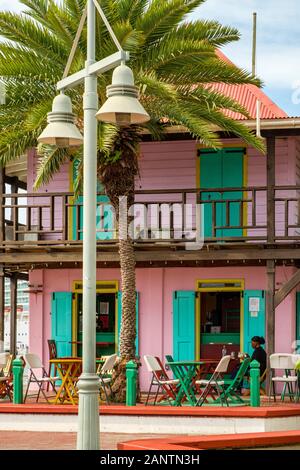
{"type": "Point", "coordinates": [220, 323]}
{"type": "Point", "coordinates": [106, 318]}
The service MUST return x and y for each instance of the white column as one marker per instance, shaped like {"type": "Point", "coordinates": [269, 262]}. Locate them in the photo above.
{"type": "Point", "coordinates": [88, 385]}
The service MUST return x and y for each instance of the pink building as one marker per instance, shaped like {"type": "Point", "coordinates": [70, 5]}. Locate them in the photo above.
{"type": "Point", "coordinates": [191, 300]}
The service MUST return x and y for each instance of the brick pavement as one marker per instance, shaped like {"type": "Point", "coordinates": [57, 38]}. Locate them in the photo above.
{"type": "Point", "coordinates": [11, 440]}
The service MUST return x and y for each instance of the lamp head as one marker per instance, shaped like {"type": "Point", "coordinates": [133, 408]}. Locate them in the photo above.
{"type": "Point", "coordinates": [122, 106]}
{"type": "Point", "coordinates": [61, 129]}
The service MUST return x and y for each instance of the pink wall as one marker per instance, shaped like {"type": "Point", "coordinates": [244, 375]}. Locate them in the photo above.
{"type": "Point", "coordinates": [156, 286]}
{"type": "Point", "coordinates": [172, 165]}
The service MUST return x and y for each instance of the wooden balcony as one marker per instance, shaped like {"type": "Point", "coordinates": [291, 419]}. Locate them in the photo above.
{"type": "Point", "coordinates": [236, 224]}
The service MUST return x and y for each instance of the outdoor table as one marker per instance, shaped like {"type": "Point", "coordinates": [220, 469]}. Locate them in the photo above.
{"type": "Point", "coordinates": [69, 369]}
{"type": "Point", "coordinates": [185, 371]}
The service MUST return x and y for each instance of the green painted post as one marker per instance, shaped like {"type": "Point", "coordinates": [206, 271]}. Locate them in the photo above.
{"type": "Point", "coordinates": [18, 381]}
{"type": "Point", "coordinates": [254, 383]}
{"type": "Point", "coordinates": [131, 378]}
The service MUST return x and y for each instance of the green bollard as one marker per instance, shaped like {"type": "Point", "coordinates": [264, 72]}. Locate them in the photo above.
{"type": "Point", "coordinates": [131, 378]}
{"type": "Point", "coordinates": [254, 383]}
{"type": "Point", "coordinates": [18, 381]}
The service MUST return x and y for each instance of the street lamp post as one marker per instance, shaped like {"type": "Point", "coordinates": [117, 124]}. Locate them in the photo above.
{"type": "Point", "coordinates": [122, 107]}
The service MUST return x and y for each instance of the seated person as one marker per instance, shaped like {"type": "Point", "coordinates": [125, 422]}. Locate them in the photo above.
{"type": "Point", "coordinates": [259, 355]}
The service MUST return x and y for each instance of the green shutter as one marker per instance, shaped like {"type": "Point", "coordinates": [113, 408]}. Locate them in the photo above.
{"type": "Point", "coordinates": [106, 221]}
{"type": "Point", "coordinates": [61, 322]}
{"type": "Point", "coordinates": [222, 169]}
{"type": "Point", "coordinates": [184, 325]}
{"type": "Point", "coordinates": [254, 322]}
{"type": "Point", "coordinates": [137, 320]}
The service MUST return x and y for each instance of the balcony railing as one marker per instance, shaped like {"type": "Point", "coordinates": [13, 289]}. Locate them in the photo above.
{"type": "Point", "coordinates": [174, 216]}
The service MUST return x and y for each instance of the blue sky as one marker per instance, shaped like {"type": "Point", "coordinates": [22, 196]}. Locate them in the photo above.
{"type": "Point", "coordinates": [278, 48]}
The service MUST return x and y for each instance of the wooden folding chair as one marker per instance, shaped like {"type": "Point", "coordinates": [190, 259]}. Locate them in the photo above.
{"type": "Point", "coordinates": [6, 380]}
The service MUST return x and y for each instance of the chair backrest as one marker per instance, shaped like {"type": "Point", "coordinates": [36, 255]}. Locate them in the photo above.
{"type": "Point", "coordinates": [8, 368]}
{"type": "Point", "coordinates": [169, 358]}
{"type": "Point", "coordinates": [33, 361]}
{"type": "Point", "coordinates": [223, 365]}
{"type": "Point", "coordinates": [109, 363]}
{"type": "Point", "coordinates": [52, 349]}
{"type": "Point", "coordinates": [3, 360]}
{"type": "Point", "coordinates": [152, 363]}
{"type": "Point", "coordinates": [240, 374]}
{"type": "Point", "coordinates": [282, 361]}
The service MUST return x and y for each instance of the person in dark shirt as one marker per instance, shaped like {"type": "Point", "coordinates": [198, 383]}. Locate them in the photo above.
{"type": "Point", "coordinates": [259, 354]}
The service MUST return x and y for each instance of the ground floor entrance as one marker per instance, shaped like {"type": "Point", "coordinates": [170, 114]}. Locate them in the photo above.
{"type": "Point", "coordinates": [219, 315]}
{"type": "Point", "coordinates": [220, 324]}
{"type": "Point", "coordinates": [67, 325]}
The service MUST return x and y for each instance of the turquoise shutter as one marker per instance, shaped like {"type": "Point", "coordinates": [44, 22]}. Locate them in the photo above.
{"type": "Point", "coordinates": [104, 218]}
{"type": "Point", "coordinates": [222, 169]}
{"type": "Point", "coordinates": [61, 322]}
{"type": "Point", "coordinates": [254, 322]}
{"type": "Point", "coordinates": [210, 177]}
{"type": "Point", "coordinates": [184, 325]}
{"type": "Point", "coordinates": [137, 320]}
{"type": "Point", "coordinates": [232, 177]}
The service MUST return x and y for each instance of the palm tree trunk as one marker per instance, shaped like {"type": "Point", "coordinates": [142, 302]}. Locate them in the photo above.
{"type": "Point", "coordinates": [128, 323]}
{"type": "Point", "coordinates": [119, 181]}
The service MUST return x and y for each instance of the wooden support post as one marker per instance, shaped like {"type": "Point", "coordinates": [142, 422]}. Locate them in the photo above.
{"type": "Point", "coordinates": [270, 307]}
{"type": "Point", "coordinates": [13, 314]}
{"type": "Point", "coordinates": [270, 189]}
{"type": "Point", "coordinates": [14, 210]}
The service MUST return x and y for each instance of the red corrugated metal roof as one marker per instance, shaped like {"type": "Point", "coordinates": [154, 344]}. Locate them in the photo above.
{"type": "Point", "coordinates": [247, 96]}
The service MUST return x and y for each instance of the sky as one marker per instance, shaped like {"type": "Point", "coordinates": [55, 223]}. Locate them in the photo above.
{"type": "Point", "coordinates": [278, 42]}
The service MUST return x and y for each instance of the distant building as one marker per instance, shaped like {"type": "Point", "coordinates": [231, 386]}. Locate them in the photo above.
{"type": "Point", "coordinates": [22, 316]}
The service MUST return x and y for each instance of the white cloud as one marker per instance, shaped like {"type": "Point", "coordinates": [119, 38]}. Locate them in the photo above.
{"type": "Point", "coordinates": [12, 5]}
{"type": "Point", "coordinates": [278, 40]}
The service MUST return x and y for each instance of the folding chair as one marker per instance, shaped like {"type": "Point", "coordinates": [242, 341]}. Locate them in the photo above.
{"type": "Point", "coordinates": [34, 364]}
{"type": "Point", "coordinates": [105, 373]}
{"type": "Point", "coordinates": [215, 383]}
{"type": "Point", "coordinates": [160, 380]}
{"type": "Point", "coordinates": [5, 375]}
{"type": "Point", "coordinates": [231, 387]}
{"type": "Point", "coordinates": [52, 355]}
{"type": "Point", "coordinates": [286, 363]}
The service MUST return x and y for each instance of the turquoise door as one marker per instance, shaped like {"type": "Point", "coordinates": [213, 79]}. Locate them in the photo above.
{"type": "Point", "coordinates": [137, 320]}
{"type": "Point", "coordinates": [254, 317]}
{"type": "Point", "coordinates": [298, 321]}
{"type": "Point", "coordinates": [184, 325]}
{"type": "Point", "coordinates": [61, 322]}
{"type": "Point", "coordinates": [104, 215]}
{"type": "Point", "coordinates": [222, 169]}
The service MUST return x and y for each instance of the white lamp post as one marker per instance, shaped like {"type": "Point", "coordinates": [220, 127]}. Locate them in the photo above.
{"type": "Point", "coordinates": [122, 107]}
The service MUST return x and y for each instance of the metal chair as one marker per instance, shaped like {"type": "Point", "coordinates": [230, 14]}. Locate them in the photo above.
{"type": "Point", "coordinates": [215, 383]}
{"type": "Point", "coordinates": [6, 381]}
{"type": "Point", "coordinates": [52, 355]}
{"type": "Point", "coordinates": [160, 380]}
{"type": "Point", "coordinates": [286, 363]}
{"type": "Point", "coordinates": [35, 365]}
{"type": "Point", "coordinates": [105, 373]}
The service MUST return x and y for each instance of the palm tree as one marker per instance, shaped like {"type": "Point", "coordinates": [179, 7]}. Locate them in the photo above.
{"type": "Point", "coordinates": [175, 64]}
